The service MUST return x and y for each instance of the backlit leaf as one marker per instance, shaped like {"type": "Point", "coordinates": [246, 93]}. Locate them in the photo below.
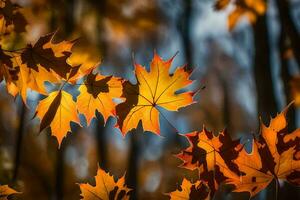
{"type": "Point", "coordinates": [155, 88]}
{"type": "Point", "coordinates": [191, 191]}
{"type": "Point", "coordinates": [57, 111]}
{"type": "Point", "coordinates": [6, 191]}
{"type": "Point", "coordinates": [106, 188]}
{"type": "Point", "coordinates": [97, 94]}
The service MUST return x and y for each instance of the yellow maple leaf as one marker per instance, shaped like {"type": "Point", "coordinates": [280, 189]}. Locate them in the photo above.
{"type": "Point", "coordinates": [97, 93]}
{"type": "Point", "coordinates": [188, 190]}
{"type": "Point", "coordinates": [27, 78]}
{"type": "Point", "coordinates": [57, 111]}
{"type": "Point", "coordinates": [106, 188]}
{"type": "Point", "coordinates": [155, 88]}
{"type": "Point", "coordinates": [8, 72]}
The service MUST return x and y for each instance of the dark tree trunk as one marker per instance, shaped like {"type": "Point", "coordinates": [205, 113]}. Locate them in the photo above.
{"type": "Point", "coordinates": [285, 43]}
{"type": "Point", "coordinates": [132, 174]}
{"type": "Point", "coordinates": [101, 143]}
{"type": "Point", "coordinates": [69, 16]}
{"type": "Point", "coordinates": [102, 7]}
{"type": "Point", "coordinates": [289, 27]}
{"type": "Point", "coordinates": [19, 135]}
{"type": "Point", "coordinates": [59, 179]}
{"type": "Point", "coordinates": [226, 107]}
{"type": "Point", "coordinates": [266, 100]}
{"type": "Point", "coordinates": [288, 38]}
{"type": "Point", "coordinates": [226, 101]}
{"type": "Point", "coordinates": [185, 31]}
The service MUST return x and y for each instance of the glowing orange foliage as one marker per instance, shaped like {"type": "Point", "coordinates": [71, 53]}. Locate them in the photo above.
{"type": "Point", "coordinates": [57, 111]}
{"type": "Point", "coordinates": [274, 156]}
{"type": "Point", "coordinates": [106, 188]}
{"type": "Point", "coordinates": [155, 88]}
{"type": "Point", "coordinates": [6, 191]}
{"type": "Point", "coordinates": [188, 190]}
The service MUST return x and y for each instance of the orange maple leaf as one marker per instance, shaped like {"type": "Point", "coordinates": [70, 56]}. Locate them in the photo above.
{"type": "Point", "coordinates": [97, 94]}
{"type": "Point", "coordinates": [190, 191]}
{"type": "Point", "coordinates": [273, 157]}
{"type": "Point", "coordinates": [8, 72]}
{"type": "Point", "coordinates": [211, 155]}
{"type": "Point", "coordinates": [26, 78]}
{"type": "Point", "coordinates": [155, 88]}
{"type": "Point", "coordinates": [57, 111]}
{"type": "Point", "coordinates": [6, 191]}
{"type": "Point", "coordinates": [106, 188]}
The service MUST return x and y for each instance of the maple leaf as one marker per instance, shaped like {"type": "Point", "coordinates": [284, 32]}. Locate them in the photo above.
{"type": "Point", "coordinates": [211, 155]}
{"type": "Point", "coordinates": [97, 93]}
{"type": "Point", "coordinates": [252, 178]}
{"type": "Point", "coordinates": [273, 157]}
{"type": "Point", "coordinates": [8, 73]}
{"type": "Point", "coordinates": [6, 191]}
{"type": "Point", "coordinates": [57, 111]}
{"type": "Point", "coordinates": [106, 188]}
{"type": "Point", "coordinates": [155, 88]}
{"type": "Point", "coordinates": [45, 54]}
{"type": "Point", "coordinates": [191, 191]}
{"type": "Point", "coordinates": [257, 172]}
{"type": "Point", "coordinates": [26, 78]}
{"type": "Point", "coordinates": [11, 15]}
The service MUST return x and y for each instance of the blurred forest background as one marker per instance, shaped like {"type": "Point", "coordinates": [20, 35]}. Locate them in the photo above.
{"type": "Point", "coordinates": [247, 72]}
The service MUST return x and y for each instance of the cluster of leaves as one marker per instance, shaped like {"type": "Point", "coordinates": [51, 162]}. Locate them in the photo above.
{"type": "Point", "coordinates": [11, 19]}
{"type": "Point", "coordinates": [274, 156]}
{"type": "Point", "coordinates": [46, 61]}
{"type": "Point", "coordinates": [219, 159]}
{"type": "Point", "coordinates": [249, 8]}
